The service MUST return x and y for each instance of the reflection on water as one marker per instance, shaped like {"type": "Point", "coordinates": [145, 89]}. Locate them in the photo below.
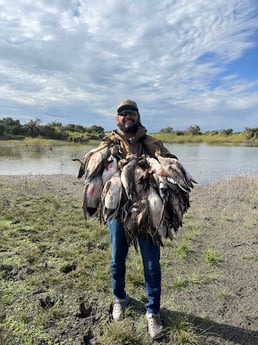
{"type": "Point", "coordinates": [205, 162]}
{"type": "Point", "coordinates": [48, 160]}
{"type": "Point", "coordinates": [210, 163]}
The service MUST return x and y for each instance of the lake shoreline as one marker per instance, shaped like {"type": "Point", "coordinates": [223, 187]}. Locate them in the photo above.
{"type": "Point", "coordinates": [166, 138]}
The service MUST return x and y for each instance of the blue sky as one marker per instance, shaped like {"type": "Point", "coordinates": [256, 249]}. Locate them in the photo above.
{"type": "Point", "coordinates": [184, 63]}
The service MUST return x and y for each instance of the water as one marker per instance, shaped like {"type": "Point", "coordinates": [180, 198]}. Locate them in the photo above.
{"type": "Point", "coordinates": [206, 163]}
{"type": "Point", "coordinates": [211, 163]}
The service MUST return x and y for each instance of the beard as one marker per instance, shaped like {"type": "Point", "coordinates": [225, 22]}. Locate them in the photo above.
{"type": "Point", "coordinates": [131, 129]}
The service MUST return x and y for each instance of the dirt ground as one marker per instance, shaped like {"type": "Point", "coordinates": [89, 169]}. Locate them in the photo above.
{"type": "Point", "coordinates": [225, 216]}
{"type": "Point", "coordinates": [228, 213]}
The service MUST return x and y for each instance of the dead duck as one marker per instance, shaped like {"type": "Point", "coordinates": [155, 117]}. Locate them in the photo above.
{"type": "Point", "coordinates": [111, 197]}
{"type": "Point", "coordinates": [176, 173]}
{"type": "Point", "coordinates": [91, 196]}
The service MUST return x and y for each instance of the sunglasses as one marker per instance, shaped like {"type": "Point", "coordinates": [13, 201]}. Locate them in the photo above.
{"type": "Point", "coordinates": [128, 112]}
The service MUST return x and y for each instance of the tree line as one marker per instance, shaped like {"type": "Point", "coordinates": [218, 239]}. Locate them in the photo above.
{"type": "Point", "coordinates": [13, 129]}
{"type": "Point", "coordinates": [249, 133]}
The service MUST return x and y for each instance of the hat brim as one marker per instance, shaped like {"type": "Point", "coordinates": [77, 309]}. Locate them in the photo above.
{"type": "Point", "coordinates": [123, 107]}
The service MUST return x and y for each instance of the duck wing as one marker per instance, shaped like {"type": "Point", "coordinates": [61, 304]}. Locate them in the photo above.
{"type": "Point", "coordinates": [91, 196]}
{"type": "Point", "coordinates": [127, 177]}
{"type": "Point", "coordinates": [111, 198]}
{"type": "Point", "coordinates": [96, 162]}
{"type": "Point", "coordinates": [104, 144]}
{"type": "Point", "coordinates": [177, 205]}
{"type": "Point", "coordinates": [136, 221]}
{"type": "Point", "coordinates": [110, 169]}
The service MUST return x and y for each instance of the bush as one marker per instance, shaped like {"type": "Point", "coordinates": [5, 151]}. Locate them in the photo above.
{"type": "Point", "coordinates": [251, 133]}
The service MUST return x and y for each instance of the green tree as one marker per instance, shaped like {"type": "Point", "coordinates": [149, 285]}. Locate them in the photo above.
{"type": "Point", "coordinates": [97, 129]}
{"type": "Point", "coordinates": [2, 130]}
{"type": "Point", "coordinates": [226, 132]}
{"type": "Point", "coordinates": [251, 133]}
{"type": "Point", "coordinates": [32, 128]}
{"type": "Point", "coordinates": [193, 130]}
{"type": "Point", "coordinates": [167, 130]}
{"type": "Point", "coordinates": [50, 132]}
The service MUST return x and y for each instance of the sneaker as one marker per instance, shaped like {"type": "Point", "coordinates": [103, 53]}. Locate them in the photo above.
{"type": "Point", "coordinates": [155, 327]}
{"type": "Point", "coordinates": [119, 308]}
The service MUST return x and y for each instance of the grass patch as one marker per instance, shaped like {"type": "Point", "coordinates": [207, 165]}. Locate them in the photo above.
{"type": "Point", "coordinates": [184, 250]}
{"type": "Point", "coordinates": [5, 223]}
{"type": "Point", "coordinates": [179, 283]}
{"type": "Point", "coordinates": [234, 138]}
{"type": "Point", "coordinates": [194, 278]}
{"type": "Point", "coordinates": [181, 331]}
{"type": "Point", "coordinates": [120, 333]}
{"type": "Point", "coordinates": [212, 257]}
{"type": "Point", "coordinates": [224, 294]}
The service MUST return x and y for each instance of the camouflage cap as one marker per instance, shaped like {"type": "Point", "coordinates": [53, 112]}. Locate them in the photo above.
{"type": "Point", "coordinates": [127, 103]}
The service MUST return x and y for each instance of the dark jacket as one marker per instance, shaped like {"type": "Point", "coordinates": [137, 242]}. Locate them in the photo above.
{"type": "Point", "coordinates": [141, 143]}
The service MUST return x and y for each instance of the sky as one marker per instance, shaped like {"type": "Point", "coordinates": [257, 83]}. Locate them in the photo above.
{"type": "Point", "coordinates": [185, 63]}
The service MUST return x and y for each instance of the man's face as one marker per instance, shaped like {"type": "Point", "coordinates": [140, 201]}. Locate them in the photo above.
{"type": "Point", "coordinates": [128, 120]}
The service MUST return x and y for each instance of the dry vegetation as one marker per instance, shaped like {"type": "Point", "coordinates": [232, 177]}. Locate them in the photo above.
{"type": "Point", "coordinates": [54, 266]}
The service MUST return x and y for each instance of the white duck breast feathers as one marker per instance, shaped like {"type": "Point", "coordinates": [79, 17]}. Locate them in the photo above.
{"type": "Point", "coordinates": [148, 194]}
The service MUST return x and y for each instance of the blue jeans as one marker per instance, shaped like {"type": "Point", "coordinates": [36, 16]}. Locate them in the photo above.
{"type": "Point", "coordinates": [151, 263]}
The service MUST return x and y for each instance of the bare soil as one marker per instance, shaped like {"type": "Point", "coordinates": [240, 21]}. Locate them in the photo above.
{"type": "Point", "coordinates": [218, 293]}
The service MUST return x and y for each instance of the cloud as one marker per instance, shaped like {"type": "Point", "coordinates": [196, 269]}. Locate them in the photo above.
{"type": "Point", "coordinates": [75, 60]}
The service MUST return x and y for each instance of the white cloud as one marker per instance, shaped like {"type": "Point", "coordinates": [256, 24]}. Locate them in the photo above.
{"type": "Point", "coordinates": [75, 60]}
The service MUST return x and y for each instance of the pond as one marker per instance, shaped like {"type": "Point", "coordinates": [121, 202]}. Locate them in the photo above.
{"type": "Point", "coordinates": [206, 163]}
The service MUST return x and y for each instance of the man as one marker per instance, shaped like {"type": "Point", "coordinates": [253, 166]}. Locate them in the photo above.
{"type": "Point", "coordinates": [132, 139]}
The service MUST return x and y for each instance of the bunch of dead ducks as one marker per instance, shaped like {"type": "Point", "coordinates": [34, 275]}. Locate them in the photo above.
{"type": "Point", "coordinates": [148, 194]}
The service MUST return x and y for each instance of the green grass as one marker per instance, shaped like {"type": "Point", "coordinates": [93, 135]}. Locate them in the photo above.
{"type": "Point", "coordinates": [119, 334]}
{"type": "Point", "coordinates": [181, 331]}
{"type": "Point", "coordinates": [184, 247]}
{"type": "Point", "coordinates": [224, 294]}
{"type": "Point", "coordinates": [179, 283]}
{"type": "Point", "coordinates": [50, 251]}
{"type": "Point", "coordinates": [40, 144]}
{"type": "Point", "coordinates": [234, 139]}
{"type": "Point", "coordinates": [212, 257]}
{"type": "Point", "coordinates": [55, 284]}
{"type": "Point", "coordinates": [52, 261]}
